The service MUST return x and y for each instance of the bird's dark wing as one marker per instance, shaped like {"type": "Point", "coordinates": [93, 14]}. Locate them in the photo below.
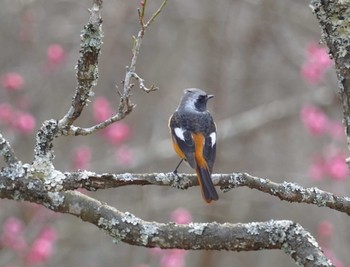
{"type": "Point", "coordinates": [209, 150]}
{"type": "Point", "coordinates": [182, 140]}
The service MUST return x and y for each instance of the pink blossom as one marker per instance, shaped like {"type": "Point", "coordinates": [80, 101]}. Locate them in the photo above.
{"type": "Point", "coordinates": [311, 73]}
{"type": "Point", "coordinates": [24, 122]}
{"type": "Point", "coordinates": [316, 64]}
{"type": "Point", "coordinates": [55, 54]}
{"type": "Point", "coordinates": [332, 165]}
{"type": "Point", "coordinates": [101, 109]}
{"type": "Point", "coordinates": [178, 252]}
{"type": "Point", "coordinates": [117, 133]}
{"type": "Point", "coordinates": [325, 229]}
{"type": "Point", "coordinates": [318, 54]}
{"type": "Point", "coordinates": [13, 226]}
{"type": "Point", "coordinates": [336, 130]}
{"type": "Point", "coordinates": [317, 169]}
{"type": "Point", "coordinates": [81, 157]}
{"type": "Point", "coordinates": [48, 233]}
{"type": "Point", "coordinates": [12, 234]}
{"type": "Point", "coordinates": [125, 156]}
{"type": "Point", "coordinates": [315, 121]}
{"type": "Point", "coordinates": [40, 251]}
{"type": "Point", "coordinates": [12, 81]}
{"type": "Point", "coordinates": [6, 113]}
{"type": "Point", "coordinates": [172, 260]}
{"type": "Point", "coordinates": [181, 216]}
{"type": "Point", "coordinates": [42, 248]}
{"type": "Point", "coordinates": [337, 168]}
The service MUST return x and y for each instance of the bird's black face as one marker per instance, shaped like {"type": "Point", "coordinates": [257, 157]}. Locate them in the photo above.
{"type": "Point", "coordinates": [201, 101]}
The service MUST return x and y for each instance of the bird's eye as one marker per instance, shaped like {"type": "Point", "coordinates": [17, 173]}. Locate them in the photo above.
{"type": "Point", "coordinates": [201, 99]}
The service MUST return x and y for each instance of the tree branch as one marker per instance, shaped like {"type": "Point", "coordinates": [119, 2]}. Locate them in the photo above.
{"type": "Point", "coordinates": [333, 17]}
{"type": "Point", "coordinates": [125, 105]}
{"type": "Point", "coordinates": [285, 235]}
{"type": "Point", "coordinates": [87, 66]}
{"type": "Point", "coordinates": [7, 152]}
{"type": "Point", "coordinates": [87, 76]}
{"type": "Point", "coordinates": [57, 181]}
{"type": "Point", "coordinates": [285, 191]}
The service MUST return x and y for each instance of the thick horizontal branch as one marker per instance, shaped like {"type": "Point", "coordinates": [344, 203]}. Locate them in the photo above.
{"type": "Point", "coordinates": [290, 192]}
{"type": "Point", "coordinates": [125, 227]}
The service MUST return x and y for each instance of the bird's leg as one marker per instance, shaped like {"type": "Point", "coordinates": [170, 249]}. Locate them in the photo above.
{"type": "Point", "coordinates": [178, 165]}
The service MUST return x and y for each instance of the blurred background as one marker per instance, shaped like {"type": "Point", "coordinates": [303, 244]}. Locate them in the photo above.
{"type": "Point", "coordinates": [275, 105]}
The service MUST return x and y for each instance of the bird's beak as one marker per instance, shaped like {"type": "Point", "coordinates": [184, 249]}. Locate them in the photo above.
{"type": "Point", "coordinates": [210, 96]}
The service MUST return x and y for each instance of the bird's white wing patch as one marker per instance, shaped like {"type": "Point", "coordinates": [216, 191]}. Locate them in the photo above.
{"type": "Point", "coordinates": [213, 138]}
{"type": "Point", "coordinates": [179, 132]}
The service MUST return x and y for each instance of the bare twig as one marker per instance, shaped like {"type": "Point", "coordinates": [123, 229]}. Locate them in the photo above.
{"type": "Point", "coordinates": [125, 105]}
{"type": "Point", "coordinates": [142, 85]}
{"type": "Point", "coordinates": [155, 14]}
{"type": "Point", "coordinates": [141, 13]}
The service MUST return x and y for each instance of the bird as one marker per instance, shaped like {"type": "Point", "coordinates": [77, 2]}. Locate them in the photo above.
{"type": "Point", "coordinates": [193, 135]}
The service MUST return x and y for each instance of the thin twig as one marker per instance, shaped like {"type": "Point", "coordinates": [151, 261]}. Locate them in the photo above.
{"type": "Point", "coordinates": [155, 14]}
{"type": "Point", "coordinates": [87, 74]}
{"type": "Point", "coordinates": [125, 105]}
{"type": "Point", "coordinates": [142, 85]}
{"type": "Point", "coordinates": [74, 130]}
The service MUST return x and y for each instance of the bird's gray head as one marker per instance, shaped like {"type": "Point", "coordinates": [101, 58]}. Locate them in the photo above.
{"type": "Point", "coordinates": [194, 99]}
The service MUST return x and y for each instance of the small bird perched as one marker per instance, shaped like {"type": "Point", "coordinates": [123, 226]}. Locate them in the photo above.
{"type": "Point", "coordinates": [193, 133]}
